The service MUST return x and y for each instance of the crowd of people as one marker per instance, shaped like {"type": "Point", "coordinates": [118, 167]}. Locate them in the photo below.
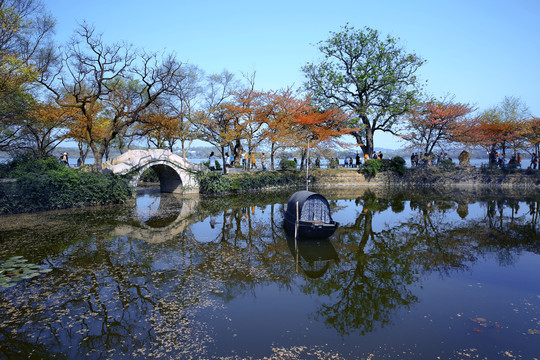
{"type": "Point", "coordinates": [514, 162]}
{"type": "Point", "coordinates": [245, 160]}
{"type": "Point", "coordinates": [428, 159]}
{"type": "Point", "coordinates": [353, 161]}
{"type": "Point", "coordinates": [499, 160]}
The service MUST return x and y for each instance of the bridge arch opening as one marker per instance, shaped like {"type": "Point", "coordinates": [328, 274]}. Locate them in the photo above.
{"type": "Point", "coordinates": [169, 179]}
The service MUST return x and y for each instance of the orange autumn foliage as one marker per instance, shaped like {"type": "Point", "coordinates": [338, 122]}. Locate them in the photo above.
{"type": "Point", "coordinates": [87, 127]}
{"type": "Point", "coordinates": [531, 133]}
{"type": "Point", "coordinates": [500, 127]}
{"type": "Point", "coordinates": [44, 128]}
{"type": "Point", "coordinates": [297, 120]}
{"type": "Point", "coordinates": [321, 125]}
{"type": "Point", "coordinates": [164, 126]}
{"type": "Point", "coordinates": [293, 122]}
{"type": "Point", "coordinates": [490, 131]}
{"type": "Point", "coordinates": [435, 123]}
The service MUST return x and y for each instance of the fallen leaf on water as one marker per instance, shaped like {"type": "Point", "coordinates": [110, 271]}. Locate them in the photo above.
{"type": "Point", "coordinates": [477, 330]}
{"type": "Point", "coordinates": [534, 332]}
{"type": "Point", "coordinates": [478, 320]}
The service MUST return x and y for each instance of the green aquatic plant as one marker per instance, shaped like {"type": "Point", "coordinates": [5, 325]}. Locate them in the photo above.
{"type": "Point", "coordinates": [17, 268]}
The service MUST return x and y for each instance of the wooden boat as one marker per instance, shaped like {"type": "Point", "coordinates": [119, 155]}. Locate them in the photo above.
{"type": "Point", "coordinates": [308, 216]}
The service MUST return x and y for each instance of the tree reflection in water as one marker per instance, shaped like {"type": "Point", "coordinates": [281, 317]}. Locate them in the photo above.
{"type": "Point", "coordinates": [124, 288]}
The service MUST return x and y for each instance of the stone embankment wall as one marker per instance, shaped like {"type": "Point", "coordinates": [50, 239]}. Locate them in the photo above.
{"type": "Point", "coordinates": [467, 176]}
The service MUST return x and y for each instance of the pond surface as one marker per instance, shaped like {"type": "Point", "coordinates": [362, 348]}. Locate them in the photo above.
{"type": "Point", "coordinates": [410, 275]}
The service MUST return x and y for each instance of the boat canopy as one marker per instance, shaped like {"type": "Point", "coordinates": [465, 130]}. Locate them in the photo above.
{"type": "Point", "coordinates": [311, 207]}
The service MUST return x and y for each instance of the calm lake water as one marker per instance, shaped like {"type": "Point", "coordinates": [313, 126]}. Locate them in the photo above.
{"type": "Point", "coordinates": [408, 275]}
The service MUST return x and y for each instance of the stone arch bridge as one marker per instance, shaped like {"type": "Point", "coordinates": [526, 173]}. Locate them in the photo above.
{"type": "Point", "coordinates": [176, 175]}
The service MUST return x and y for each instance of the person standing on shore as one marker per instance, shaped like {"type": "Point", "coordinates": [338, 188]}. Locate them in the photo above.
{"type": "Point", "coordinates": [501, 161]}
{"type": "Point", "coordinates": [263, 161]}
{"type": "Point", "coordinates": [64, 159]}
{"type": "Point", "coordinates": [227, 163]}
{"type": "Point", "coordinates": [534, 162]}
{"type": "Point", "coordinates": [492, 159]}
{"type": "Point", "coordinates": [212, 161]}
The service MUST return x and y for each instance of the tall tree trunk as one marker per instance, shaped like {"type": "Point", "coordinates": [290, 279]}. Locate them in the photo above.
{"type": "Point", "coordinates": [303, 153]}
{"type": "Point", "coordinates": [236, 152]}
{"type": "Point", "coordinates": [369, 141]}
{"type": "Point", "coordinates": [272, 150]}
{"type": "Point", "coordinates": [83, 152]}
{"type": "Point", "coordinates": [365, 144]}
{"type": "Point", "coordinates": [98, 158]}
{"type": "Point", "coordinates": [222, 148]}
{"type": "Point", "coordinates": [250, 150]}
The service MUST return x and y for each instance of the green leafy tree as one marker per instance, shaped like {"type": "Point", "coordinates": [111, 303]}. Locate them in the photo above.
{"type": "Point", "coordinates": [514, 111]}
{"type": "Point", "coordinates": [369, 76]}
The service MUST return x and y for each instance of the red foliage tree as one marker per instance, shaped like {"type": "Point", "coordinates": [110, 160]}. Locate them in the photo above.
{"type": "Point", "coordinates": [492, 132]}
{"type": "Point", "coordinates": [500, 127]}
{"type": "Point", "coordinates": [435, 123]}
{"type": "Point", "coordinates": [531, 134]}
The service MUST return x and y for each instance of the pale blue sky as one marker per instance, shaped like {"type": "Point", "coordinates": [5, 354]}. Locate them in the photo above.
{"type": "Point", "coordinates": [480, 51]}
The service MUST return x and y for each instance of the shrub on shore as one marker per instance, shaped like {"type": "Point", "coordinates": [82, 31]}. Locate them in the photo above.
{"type": "Point", "coordinates": [47, 184]}
{"type": "Point", "coordinates": [285, 164]}
{"type": "Point", "coordinates": [215, 183]}
{"type": "Point", "coordinates": [374, 166]}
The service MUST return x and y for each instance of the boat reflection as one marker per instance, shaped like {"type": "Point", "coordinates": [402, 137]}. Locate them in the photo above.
{"type": "Point", "coordinates": [314, 257]}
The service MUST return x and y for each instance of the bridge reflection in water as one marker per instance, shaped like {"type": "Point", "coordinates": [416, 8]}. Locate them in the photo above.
{"type": "Point", "coordinates": [161, 217]}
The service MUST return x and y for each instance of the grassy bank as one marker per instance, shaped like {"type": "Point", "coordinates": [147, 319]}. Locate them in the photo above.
{"type": "Point", "coordinates": [38, 185]}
